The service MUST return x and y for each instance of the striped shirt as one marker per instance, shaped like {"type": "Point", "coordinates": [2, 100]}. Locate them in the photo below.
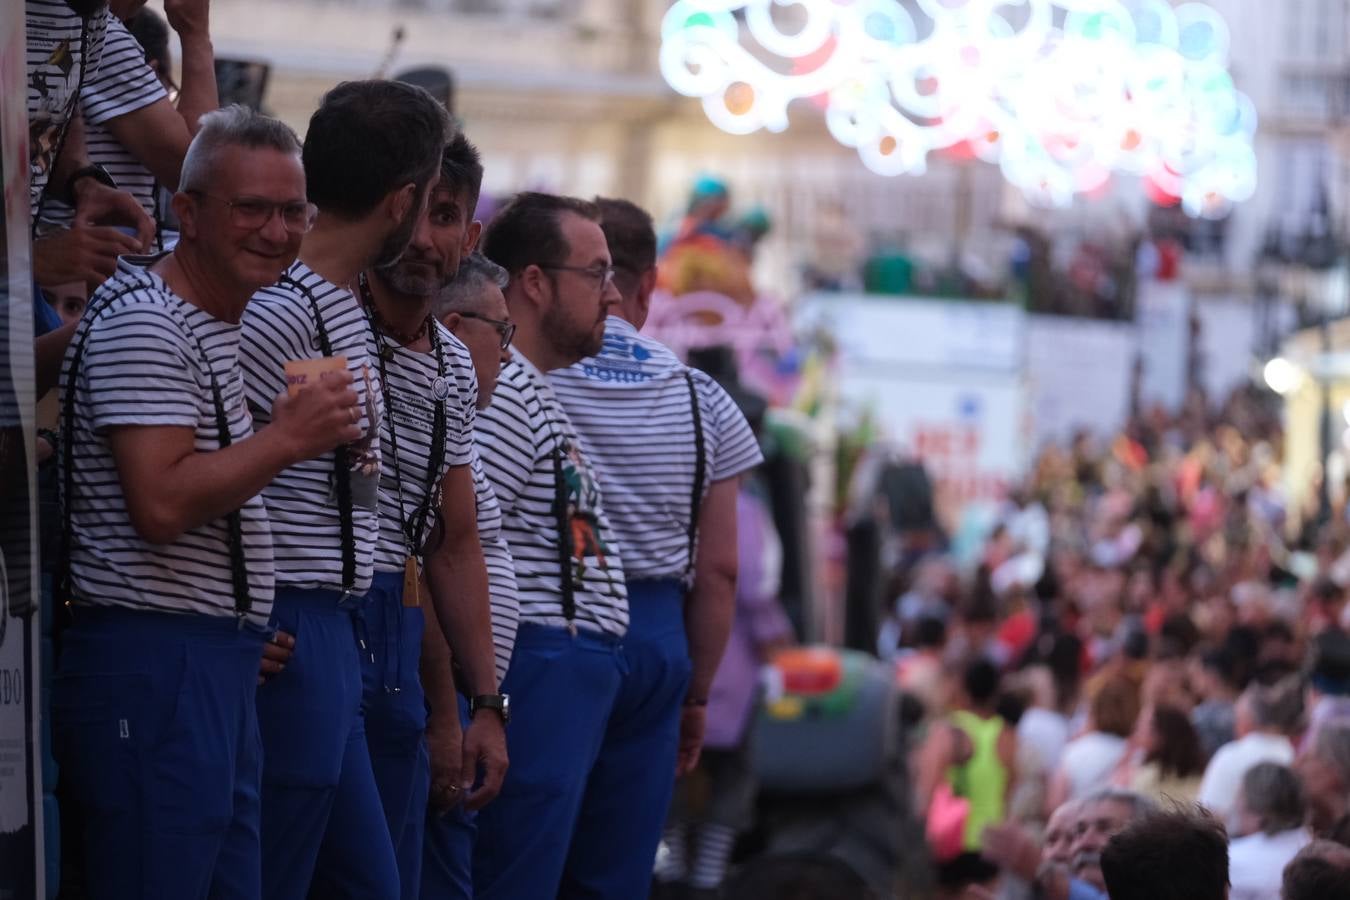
{"type": "Point", "coordinates": [412, 392]}
{"type": "Point", "coordinates": [63, 53]}
{"type": "Point", "coordinates": [146, 364]}
{"type": "Point", "coordinates": [124, 83]}
{"type": "Point", "coordinates": [279, 325]}
{"type": "Point", "coordinates": [632, 407]}
{"type": "Point", "coordinates": [500, 569]}
{"type": "Point", "coordinates": [525, 438]}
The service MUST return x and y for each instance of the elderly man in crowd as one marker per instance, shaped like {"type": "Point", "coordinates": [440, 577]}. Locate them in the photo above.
{"type": "Point", "coordinates": [171, 563]}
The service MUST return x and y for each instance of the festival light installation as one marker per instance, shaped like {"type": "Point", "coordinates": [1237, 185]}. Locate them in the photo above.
{"type": "Point", "coordinates": [1060, 94]}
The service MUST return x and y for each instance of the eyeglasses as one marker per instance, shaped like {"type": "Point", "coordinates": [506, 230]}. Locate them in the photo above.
{"type": "Point", "coordinates": [253, 213]}
{"type": "Point", "coordinates": [507, 330]}
{"type": "Point", "coordinates": [602, 275]}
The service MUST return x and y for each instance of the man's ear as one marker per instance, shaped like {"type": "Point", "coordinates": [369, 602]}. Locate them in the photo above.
{"type": "Point", "coordinates": [399, 203]}
{"type": "Point", "coordinates": [185, 208]}
{"type": "Point", "coordinates": [471, 236]}
{"type": "Point", "coordinates": [534, 285]}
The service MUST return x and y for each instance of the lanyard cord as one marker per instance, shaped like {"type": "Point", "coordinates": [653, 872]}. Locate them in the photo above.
{"type": "Point", "coordinates": [342, 474]}
{"type": "Point", "coordinates": [700, 471]}
{"type": "Point", "coordinates": [243, 600]}
{"type": "Point", "coordinates": [564, 522]}
{"type": "Point", "coordinates": [414, 527]}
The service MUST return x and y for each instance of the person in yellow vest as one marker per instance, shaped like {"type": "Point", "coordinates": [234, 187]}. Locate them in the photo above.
{"type": "Point", "coordinates": [973, 754]}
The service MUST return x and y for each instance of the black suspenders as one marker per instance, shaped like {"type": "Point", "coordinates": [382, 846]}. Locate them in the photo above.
{"type": "Point", "coordinates": [700, 471]}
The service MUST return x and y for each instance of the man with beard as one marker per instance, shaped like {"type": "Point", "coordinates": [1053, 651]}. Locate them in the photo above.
{"type": "Point", "coordinates": [567, 669]}
{"type": "Point", "coordinates": [1100, 817]}
{"type": "Point", "coordinates": [370, 154]}
{"type": "Point", "coordinates": [427, 522]}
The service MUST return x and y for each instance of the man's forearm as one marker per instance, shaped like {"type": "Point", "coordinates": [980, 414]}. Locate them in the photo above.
{"type": "Point", "coordinates": [708, 614]}
{"type": "Point", "coordinates": [73, 157]}
{"type": "Point", "coordinates": [457, 580]}
{"type": "Point", "coordinates": [48, 353]}
{"type": "Point", "coordinates": [438, 678]}
{"type": "Point", "coordinates": [198, 94]}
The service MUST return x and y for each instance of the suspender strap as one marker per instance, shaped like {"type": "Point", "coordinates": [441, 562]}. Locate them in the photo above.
{"type": "Point", "coordinates": [700, 470]}
{"type": "Point", "coordinates": [342, 472]}
{"type": "Point", "coordinates": [562, 515]}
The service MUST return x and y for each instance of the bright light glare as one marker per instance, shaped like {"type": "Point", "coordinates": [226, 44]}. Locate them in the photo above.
{"type": "Point", "coordinates": [1281, 375]}
{"type": "Point", "coordinates": [1132, 86]}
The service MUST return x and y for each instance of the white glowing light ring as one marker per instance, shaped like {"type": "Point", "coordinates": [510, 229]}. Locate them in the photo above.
{"type": "Point", "coordinates": [1129, 86]}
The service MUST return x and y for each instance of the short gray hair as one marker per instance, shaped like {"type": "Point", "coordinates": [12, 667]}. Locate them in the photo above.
{"type": "Point", "coordinates": [1273, 794]}
{"type": "Point", "coordinates": [1140, 806]}
{"type": "Point", "coordinates": [1332, 745]}
{"type": "Point", "coordinates": [232, 126]}
{"type": "Point", "coordinates": [1277, 706]}
{"type": "Point", "coordinates": [465, 292]}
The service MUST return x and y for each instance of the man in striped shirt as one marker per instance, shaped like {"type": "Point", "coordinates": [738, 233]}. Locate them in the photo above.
{"type": "Point", "coordinates": [371, 152]}
{"type": "Point", "coordinates": [170, 554]}
{"type": "Point", "coordinates": [474, 308]}
{"type": "Point", "coordinates": [668, 444]}
{"type": "Point", "coordinates": [427, 523]}
{"type": "Point", "coordinates": [566, 670]}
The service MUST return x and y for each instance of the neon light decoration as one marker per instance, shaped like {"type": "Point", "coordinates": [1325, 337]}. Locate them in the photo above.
{"type": "Point", "coordinates": [1058, 93]}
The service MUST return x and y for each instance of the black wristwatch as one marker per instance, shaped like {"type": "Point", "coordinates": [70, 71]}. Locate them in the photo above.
{"type": "Point", "coordinates": [96, 172]}
{"type": "Point", "coordinates": [499, 702]}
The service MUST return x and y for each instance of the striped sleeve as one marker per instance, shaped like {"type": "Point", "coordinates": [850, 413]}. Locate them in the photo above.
{"type": "Point", "coordinates": [506, 441]}
{"type": "Point", "coordinates": [138, 370]}
{"type": "Point", "coordinates": [274, 329]}
{"type": "Point", "coordinates": [124, 81]}
{"type": "Point", "coordinates": [732, 447]}
{"type": "Point", "coordinates": [463, 411]}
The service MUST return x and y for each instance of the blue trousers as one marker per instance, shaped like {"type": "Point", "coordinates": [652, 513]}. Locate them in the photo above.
{"type": "Point", "coordinates": [566, 687]}
{"type": "Point", "coordinates": [318, 784]}
{"type": "Point", "coordinates": [630, 785]}
{"type": "Point", "coordinates": [447, 858]}
{"type": "Point", "coordinates": [395, 726]}
{"type": "Point", "coordinates": [156, 735]}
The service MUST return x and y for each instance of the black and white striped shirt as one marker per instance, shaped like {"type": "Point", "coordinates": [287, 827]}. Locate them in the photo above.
{"type": "Point", "coordinates": [280, 325]}
{"type": "Point", "coordinates": [124, 83]}
{"type": "Point", "coordinates": [413, 390]}
{"type": "Point", "coordinates": [632, 408]}
{"type": "Point", "coordinates": [524, 437]}
{"type": "Point", "coordinates": [500, 569]}
{"type": "Point", "coordinates": [63, 52]}
{"type": "Point", "coordinates": [143, 365]}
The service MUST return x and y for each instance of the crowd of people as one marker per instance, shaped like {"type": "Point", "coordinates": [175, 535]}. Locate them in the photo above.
{"type": "Point", "coordinates": [395, 560]}
{"type": "Point", "coordinates": [1143, 689]}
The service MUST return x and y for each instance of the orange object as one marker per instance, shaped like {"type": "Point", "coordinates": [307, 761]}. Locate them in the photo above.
{"type": "Point", "coordinates": [300, 373]}
{"type": "Point", "coordinates": [809, 670]}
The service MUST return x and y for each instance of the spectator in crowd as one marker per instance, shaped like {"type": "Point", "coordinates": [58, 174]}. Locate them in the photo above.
{"type": "Point", "coordinates": [1270, 833]}
{"type": "Point", "coordinates": [1328, 682]}
{"type": "Point", "coordinates": [1101, 816]}
{"type": "Point", "coordinates": [1044, 727]}
{"type": "Point", "coordinates": [1212, 679]}
{"type": "Point", "coordinates": [371, 153]}
{"type": "Point", "coordinates": [1166, 762]}
{"type": "Point", "coordinates": [1265, 718]}
{"type": "Point", "coordinates": [565, 670]}
{"type": "Point", "coordinates": [170, 555]}
{"type": "Point", "coordinates": [1325, 770]}
{"type": "Point", "coordinates": [630, 404]}
{"type": "Point", "coordinates": [919, 670]}
{"type": "Point", "coordinates": [1168, 856]}
{"type": "Point", "coordinates": [1089, 760]}
{"type": "Point", "coordinates": [1321, 871]}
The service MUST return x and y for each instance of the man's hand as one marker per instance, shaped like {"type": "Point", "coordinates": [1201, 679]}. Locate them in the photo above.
{"type": "Point", "coordinates": [693, 725]}
{"type": "Point", "coordinates": [276, 653]}
{"type": "Point", "coordinates": [84, 254]}
{"type": "Point", "coordinates": [1011, 848]}
{"type": "Point", "coordinates": [485, 748]}
{"type": "Point", "coordinates": [189, 18]}
{"type": "Point", "coordinates": [445, 741]}
{"type": "Point", "coordinates": [322, 416]}
{"type": "Point", "coordinates": [98, 204]}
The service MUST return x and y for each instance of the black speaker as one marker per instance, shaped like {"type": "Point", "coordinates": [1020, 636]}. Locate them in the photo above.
{"type": "Point", "coordinates": [242, 81]}
{"type": "Point", "coordinates": [436, 81]}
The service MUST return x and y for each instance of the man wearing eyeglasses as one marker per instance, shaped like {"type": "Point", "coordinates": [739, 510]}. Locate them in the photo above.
{"type": "Point", "coordinates": [427, 524]}
{"type": "Point", "coordinates": [170, 570]}
{"type": "Point", "coordinates": [566, 669]}
{"type": "Point", "coordinates": [669, 444]}
{"type": "Point", "coordinates": [371, 153]}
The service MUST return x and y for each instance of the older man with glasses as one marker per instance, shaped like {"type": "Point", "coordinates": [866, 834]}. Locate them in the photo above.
{"type": "Point", "coordinates": [170, 571]}
{"type": "Point", "coordinates": [567, 668]}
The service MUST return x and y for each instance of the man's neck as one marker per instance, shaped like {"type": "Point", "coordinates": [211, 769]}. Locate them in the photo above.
{"type": "Point", "coordinates": [187, 274]}
{"type": "Point", "coordinates": [338, 249]}
{"type": "Point", "coordinates": [401, 314]}
{"type": "Point", "coordinates": [529, 343]}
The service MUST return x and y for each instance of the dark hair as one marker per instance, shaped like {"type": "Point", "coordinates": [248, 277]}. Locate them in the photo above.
{"type": "Point", "coordinates": [1168, 856]}
{"type": "Point", "coordinates": [1329, 668]}
{"type": "Point", "coordinates": [1320, 871]}
{"type": "Point", "coordinates": [368, 138]}
{"type": "Point", "coordinates": [462, 171]}
{"type": "Point", "coordinates": [629, 232]}
{"type": "Point", "coordinates": [981, 680]}
{"type": "Point", "coordinates": [152, 33]}
{"type": "Point", "coordinates": [797, 876]}
{"type": "Point", "coordinates": [528, 230]}
{"type": "Point", "coordinates": [1178, 752]}
{"type": "Point", "coordinates": [930, 631]}
{"type": "Point", "coordinates": [1273, 794]}
{"type": "Point", "coordinates": [1223, 663]}
{"type": "Point", "coordinates": [1115, 706]}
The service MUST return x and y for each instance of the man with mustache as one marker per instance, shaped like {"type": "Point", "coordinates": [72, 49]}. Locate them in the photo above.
{"type": "Point", "coordinates": [371, 153]}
